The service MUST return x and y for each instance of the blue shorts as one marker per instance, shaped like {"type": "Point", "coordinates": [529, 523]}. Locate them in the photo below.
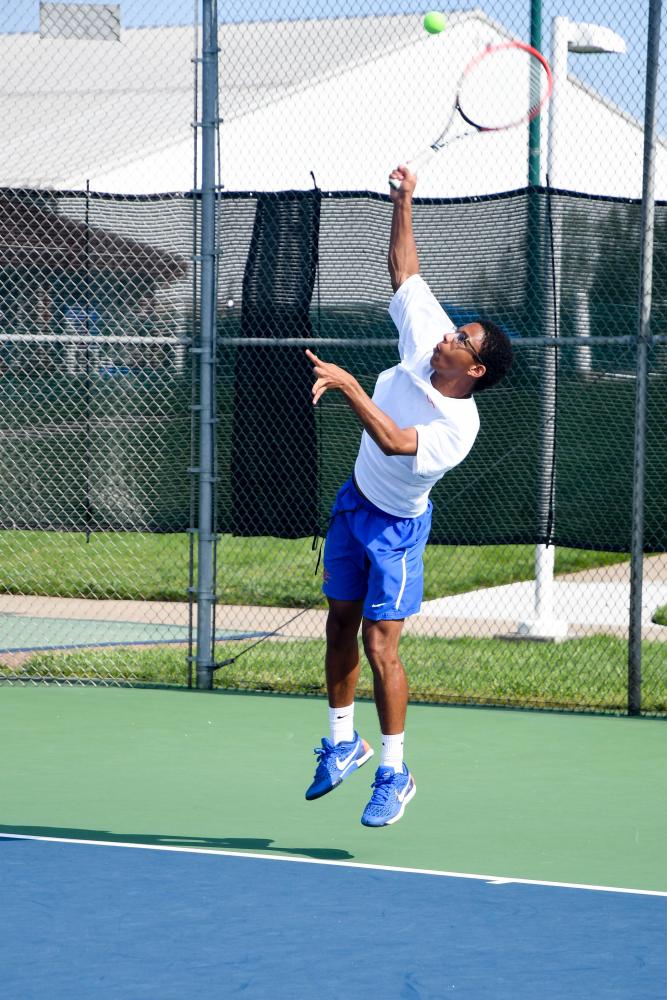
{"type": "Point", "coordinates": [373, 556]}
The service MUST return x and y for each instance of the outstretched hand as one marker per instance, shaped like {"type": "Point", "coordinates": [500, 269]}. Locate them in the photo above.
{"type": "Point", "coordinates": [328, 377]}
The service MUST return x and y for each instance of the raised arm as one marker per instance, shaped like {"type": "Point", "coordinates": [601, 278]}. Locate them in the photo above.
{"type": "Point", "coordinates": [403, 260]}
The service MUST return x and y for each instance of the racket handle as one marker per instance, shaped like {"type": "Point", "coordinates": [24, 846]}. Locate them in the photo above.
{"type": "Point", "coordinates": [395, 182]}
{"type": "Point", "coordinates": [415, 165]}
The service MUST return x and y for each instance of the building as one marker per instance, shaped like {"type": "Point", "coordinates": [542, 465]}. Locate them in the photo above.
{"type": "Point", "coordinates": [331, 102]}
{"type": "Point", "coordinates": [70, 289]}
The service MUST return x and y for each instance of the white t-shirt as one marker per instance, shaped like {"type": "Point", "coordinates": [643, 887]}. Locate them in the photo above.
{"type": "Point", "coordinates": [446, 427]}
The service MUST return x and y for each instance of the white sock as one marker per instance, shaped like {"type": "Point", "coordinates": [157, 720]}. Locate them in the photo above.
{"type": "Point", "coordinates": [341, 724]}
{"type": "Point", "coordinates": [392, 751]}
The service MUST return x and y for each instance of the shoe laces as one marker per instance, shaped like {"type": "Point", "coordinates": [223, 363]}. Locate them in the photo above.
{"type": "Point", "coordinates": [322, 755]}
{"type": "Point", "coordinates": [326, 753]}
{"type": "Point", "coordinates": [382, 786]}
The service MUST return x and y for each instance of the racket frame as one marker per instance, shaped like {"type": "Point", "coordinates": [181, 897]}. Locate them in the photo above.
{"type": "Point", "coordinates": [445, 139]}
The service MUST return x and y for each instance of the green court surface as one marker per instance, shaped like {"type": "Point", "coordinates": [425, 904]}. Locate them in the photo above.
{"type": "Point", "coordinates": [30, 632]}
{"type": "Point", "coordinates": [549, 797]}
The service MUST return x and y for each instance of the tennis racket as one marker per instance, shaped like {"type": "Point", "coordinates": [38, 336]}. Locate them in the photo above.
{"type": "Point", "coordinates": [505, 85]}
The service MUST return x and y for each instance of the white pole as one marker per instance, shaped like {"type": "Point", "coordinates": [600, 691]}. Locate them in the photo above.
{"type": "Point", "coordinates": [560, 32]}
{"type": "Point", "coordinates": [580, 37]}
{"type": "Point", "coordinates": [582, 319]}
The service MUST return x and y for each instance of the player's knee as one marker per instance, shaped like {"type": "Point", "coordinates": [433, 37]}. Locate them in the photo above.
{"type": "Point", "coordinates": [341, 625]}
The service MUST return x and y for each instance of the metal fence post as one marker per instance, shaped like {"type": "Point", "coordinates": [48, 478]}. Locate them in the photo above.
{"type": "Point", "coordinates": [643, 341]}
{"type": "Point", "coordinates": [534, 124]}
{"type": "Point", "coordinates": [205, 525]}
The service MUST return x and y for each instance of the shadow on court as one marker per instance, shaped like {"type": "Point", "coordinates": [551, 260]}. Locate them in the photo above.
{"type": "Point", "coordinates": [259, 844]}
{"type": "Point", "coordinates": [546, 797]}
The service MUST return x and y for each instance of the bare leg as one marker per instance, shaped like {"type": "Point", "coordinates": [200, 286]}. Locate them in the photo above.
{"type": "Point", "coordinates": [390, 685]}
{"type": "Point", "coordinates": [342, 655]}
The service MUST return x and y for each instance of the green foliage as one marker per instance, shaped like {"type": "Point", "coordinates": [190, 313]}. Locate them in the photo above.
{"type": "Point", "coordinates": [660, 617]}
{"type": "Point", "coordinates": [588, 673]}
{"type": "Point", "coordinates": [260, 571]}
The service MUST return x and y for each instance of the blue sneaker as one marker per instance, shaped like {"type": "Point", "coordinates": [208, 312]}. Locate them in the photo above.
{"type": "Point", "coordinates": [335, 761]}
{"type": "Point", "coordinates": [392, 790]}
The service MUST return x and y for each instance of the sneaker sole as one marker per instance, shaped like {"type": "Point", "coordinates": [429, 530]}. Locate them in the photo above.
{"type": "Point", "coordinates": [394, 819]}
{"type": "Point", "coordinates": [354, 766]}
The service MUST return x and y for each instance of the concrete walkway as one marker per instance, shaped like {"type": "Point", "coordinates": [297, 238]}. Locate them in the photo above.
{"type": "Point", "coordinates": [591, 602]}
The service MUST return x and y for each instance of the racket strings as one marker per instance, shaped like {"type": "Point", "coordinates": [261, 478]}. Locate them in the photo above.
{"type": "Point", "coordinates": [505, 86]}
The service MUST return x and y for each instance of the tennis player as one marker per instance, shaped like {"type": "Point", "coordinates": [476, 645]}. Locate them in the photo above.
{"type": "Point", "coordinates": [421, 422]}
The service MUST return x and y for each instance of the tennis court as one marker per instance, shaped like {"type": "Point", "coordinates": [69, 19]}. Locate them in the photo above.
{"type": "Point", "coordinates": [158, 844]}
{"type": "Point", "coordinates": [163, 471]}
{"type": "Point", "coordinates": [18, 633]}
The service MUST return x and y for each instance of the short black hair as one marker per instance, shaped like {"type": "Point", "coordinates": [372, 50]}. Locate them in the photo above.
{"type": "Point", "coordinates": [495, 353]}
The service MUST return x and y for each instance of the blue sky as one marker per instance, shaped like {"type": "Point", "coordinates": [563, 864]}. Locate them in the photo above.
{"type": "Point", "coordinates": [620, 78]}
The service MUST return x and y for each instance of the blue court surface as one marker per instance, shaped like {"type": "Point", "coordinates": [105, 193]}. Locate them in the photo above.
{"type": "Point", "coordinates": [84, 920]}
{"type": "Point", "coordinates": [157, 845]}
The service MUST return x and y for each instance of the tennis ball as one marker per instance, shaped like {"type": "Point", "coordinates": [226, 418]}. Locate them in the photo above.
{"type": "Point", "coordinates": [434, 22]}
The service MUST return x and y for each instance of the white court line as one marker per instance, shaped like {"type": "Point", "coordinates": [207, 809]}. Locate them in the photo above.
{"type": "Point", "coordinates": [490, 879]}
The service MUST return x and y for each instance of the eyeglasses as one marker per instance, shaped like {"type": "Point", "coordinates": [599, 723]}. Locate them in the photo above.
{"type": "Point", "coordinates": [464, 340]}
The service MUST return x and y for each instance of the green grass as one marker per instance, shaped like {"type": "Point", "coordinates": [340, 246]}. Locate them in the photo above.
{"type": "Point", "coordinates": [580, 673]}
{"type": "Point", "coordinates": [259, 571]}
{"type": "Point", "coordinates": [660, 617]}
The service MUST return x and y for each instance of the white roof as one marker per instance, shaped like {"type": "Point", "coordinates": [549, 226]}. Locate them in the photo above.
{"type": "Point", "coordinates": [341, 99]}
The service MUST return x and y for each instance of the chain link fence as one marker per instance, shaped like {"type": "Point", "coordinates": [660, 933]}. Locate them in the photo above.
{"type": "Point", "coordinates": [100, 380]}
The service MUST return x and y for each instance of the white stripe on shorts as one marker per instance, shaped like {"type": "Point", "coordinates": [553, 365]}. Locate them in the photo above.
{"type": "Point", "coordinates": [403, 582]}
